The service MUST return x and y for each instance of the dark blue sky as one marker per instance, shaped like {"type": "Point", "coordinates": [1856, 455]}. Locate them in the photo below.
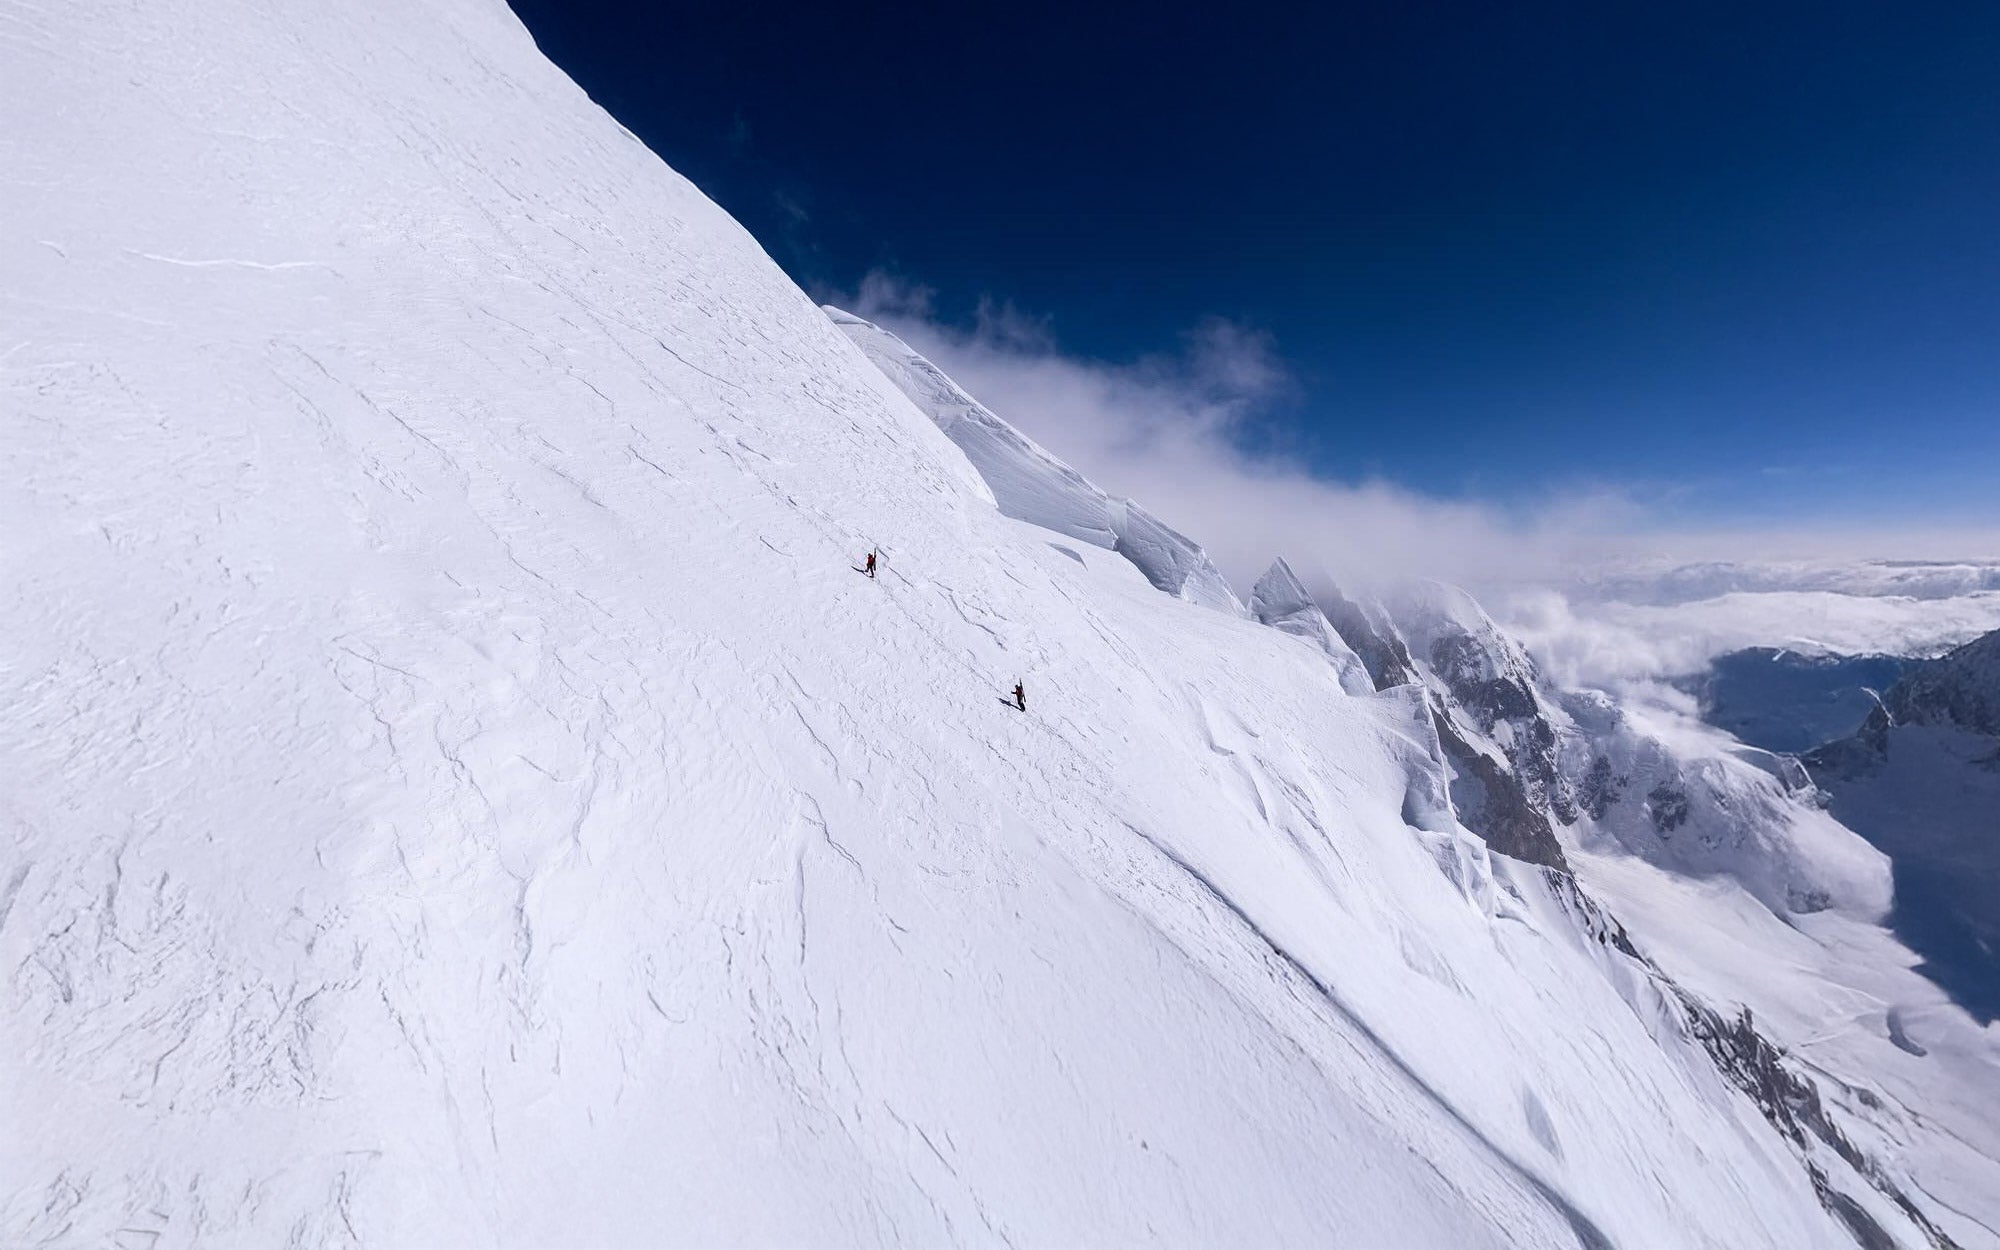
{"type": "Point", "coordinates": [1743, 256]}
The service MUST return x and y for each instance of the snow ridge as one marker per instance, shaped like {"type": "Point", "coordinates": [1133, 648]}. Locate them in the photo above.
{"type": "Point", "coordinates": [1281, 601]}
{"type": "Point", "coordinates": [1034, 486]}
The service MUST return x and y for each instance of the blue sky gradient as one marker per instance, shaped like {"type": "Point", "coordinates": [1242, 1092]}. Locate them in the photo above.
{"type": "Point", "coordinates": [1739, 261]}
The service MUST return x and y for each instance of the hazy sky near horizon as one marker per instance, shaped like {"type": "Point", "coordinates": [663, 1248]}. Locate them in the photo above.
{"type": "Point", "coordinates": [1730, 266]}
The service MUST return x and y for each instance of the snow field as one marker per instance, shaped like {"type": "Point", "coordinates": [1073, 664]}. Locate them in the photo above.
{"type": "Point", "coordinates": [460, 793]}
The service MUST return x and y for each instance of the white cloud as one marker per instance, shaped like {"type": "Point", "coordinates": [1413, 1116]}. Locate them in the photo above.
{"type": "Point", "coordinates": [1605, 644]}
{"type": "Point", "coordinates": [1165, 429]}
{"type": "Point", "coordinates": [1168, 430]}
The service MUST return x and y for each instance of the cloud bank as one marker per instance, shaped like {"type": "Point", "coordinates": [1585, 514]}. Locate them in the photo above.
{"type": "Point", "coordinates": [1170, 430]}
{"type": "Point", "coordinates": [1607, 644]}
{"type": "Point", "coordinates": [1179, 431]}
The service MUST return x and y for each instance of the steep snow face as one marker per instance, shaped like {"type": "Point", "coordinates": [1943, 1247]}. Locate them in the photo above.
{"type": "Point", "coordinates": [1281, 601]}
{"type": "Point", "coordinates": [461, 794]}
{"type": "Point", "coordinates": [1502, 742]}
{"type": "Point", "coordinates": [1170, 560]}
{"type": "Point", "coordinates": [1530, 760]}
{"type": "Point", "coordinates": [1026, 481]}
{"type": "Point", "coordinates": [1749, 892]}
{"type": "Point", "coordinates": [1682, 798]}
{"type": "Point", "coordinates": [1033, 485]}
{"type": "Point", "coordinates": [1921, 780]}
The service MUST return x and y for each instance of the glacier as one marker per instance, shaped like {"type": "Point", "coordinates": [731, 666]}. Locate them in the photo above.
{"type": "Point", "coordinates": [460, 793]}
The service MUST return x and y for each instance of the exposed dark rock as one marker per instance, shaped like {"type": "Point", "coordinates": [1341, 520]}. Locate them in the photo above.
{"type": "Point", "coordinates": [1509, 792]}
{"type": "Point", "coordinates": [1496, 805]}
{"type": "Point", "coordinates": [1668, 807]}
{"type": "Point", "coordinates": [1867, 1233]}
{"type": "Point", "coordinates": [1369, 632]}
{"type": "Point", "coordinates": [1461, 662]}
{"type": "Point", "coordinates": [1491, 684]}
{"type": "Point", "coordinates": [1601, 788]}
{"type": "Point", "coordinates": [1792, 1104]}
{"type": "Point", "coordinates": [1962, 689]}
{"type": "Point", "coordinates": [1547, 770]}
{"type": "Point", "coordinates": [1595, 921]}
{"type": "Point", "coordinates": [1489, 796]}
{"type": "Point", "coordinates": [1855, 756]}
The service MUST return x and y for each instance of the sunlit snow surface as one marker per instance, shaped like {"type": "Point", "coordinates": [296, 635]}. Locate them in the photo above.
{"type": "Point", "coordinates": [459, 793]}
{"type": "Point", "coordinates": [1030, 484]}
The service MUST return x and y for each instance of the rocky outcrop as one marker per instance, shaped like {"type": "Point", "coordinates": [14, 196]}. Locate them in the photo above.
{"type": "Point", "coordinates": [1601, 787]}
{"type": "Point", "coordinates": [1962, 689]}
{"type": "Point", "coordinates": [1368, 630]}
{"type": "Point", "coordinates": [1786, 1094]}
{"type": "Point", "coordinates": [1479, 687]}
{"type": "Point", "coordinates": [1492, 801]}
{"type": "Point", "coordinates": [1791, 1102]}
{"type": "Point", "coordinates": [1499, 734]}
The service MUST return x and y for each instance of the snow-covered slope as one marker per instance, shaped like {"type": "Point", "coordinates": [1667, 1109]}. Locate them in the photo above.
{"type": "Point", "coordinates": [1032, 485]}
{"type": "Point", "coordinates": [1745, 889]}
{"type": "Point", "coordinates": [461, 794]}
{"type": "Point", "coordinates": [1537, 770]}
{"type": "Point", "coordinates": [1921, 779]}
{"type": "Point", "coordinates": [1748, 901]}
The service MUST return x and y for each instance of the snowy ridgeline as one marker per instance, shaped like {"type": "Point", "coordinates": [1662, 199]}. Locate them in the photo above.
{"type": "Point", "coordinates": [1524, 760]}
{"type": "Point", "coordinates": [460, 793]}
{"type": "Point", "coordinates": [1030, 484]}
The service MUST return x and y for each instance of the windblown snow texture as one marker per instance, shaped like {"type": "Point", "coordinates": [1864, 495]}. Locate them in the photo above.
{"type": "Point", "coordinates": [1029, 483]}
{"type": "Point", "coordinates": [460, 795]}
